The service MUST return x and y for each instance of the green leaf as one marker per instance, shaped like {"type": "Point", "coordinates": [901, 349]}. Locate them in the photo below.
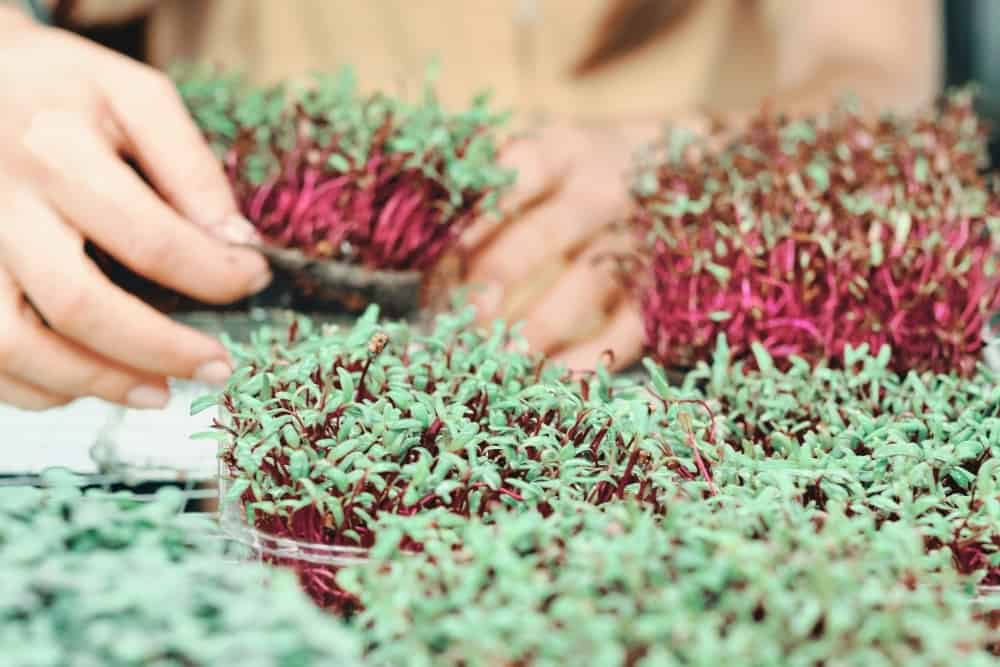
{"type": "Point", "coordinates": [298, 464]}
{"type": "Point", "coordinates": [820, 176]}
{"type": "Point", "coordinates": [236, 490]}
{"type": "Point", "coordinates": [921, 169]}
{"type": "Point", "coordinates": [490, 476]}
{"type": "Point", "coordinates": [203, 403]}
{"type": "Point", "coordinates": [346, 384]}
{"type": "Point", "coordinates": [338, 163]}
{"type": "Point", "coordinates": [218, 436]}
{"type": "Point", "coordinates": [763, 358]}
{"type": "Point", "coordinates": [988, 478]}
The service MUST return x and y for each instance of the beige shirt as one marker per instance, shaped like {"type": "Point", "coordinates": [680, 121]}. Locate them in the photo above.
{"type": "Point", "coordinates": [720, 56]}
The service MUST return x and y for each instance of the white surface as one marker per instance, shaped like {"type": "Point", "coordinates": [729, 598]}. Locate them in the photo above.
{"type": "Point", "coordinates": [146, 442]}
{"type": "Point", "coordinates": [58, 437]}
{"type": "Point", "coordinates": [64, 436]}
{"type": "Point", "coordinates": [149, 442]}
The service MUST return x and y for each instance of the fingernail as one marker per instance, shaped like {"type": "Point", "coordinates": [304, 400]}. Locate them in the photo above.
{"type": "Point", "coordinates": [147, 397]}
{"type": "Point", "coordinates": [214, 373]}
{"type": "Point", "coordinates": [260, 282]}
{"type": "Point", "coordinates": [237, 229]}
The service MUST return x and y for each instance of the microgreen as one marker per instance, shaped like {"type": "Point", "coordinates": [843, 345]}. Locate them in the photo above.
{"type": "Point", "coordinates": [921, 446]}
{"type": "Point", "coordinates": [751, 582]}
{"type": "Point", "coordinates": [808, 236]}
{"type": "Point", "coordinates": [106, 579]}
{"type": "Point", "coordinates": [326, 429]}
{"type": "Point", "coordinates": [367, 179]}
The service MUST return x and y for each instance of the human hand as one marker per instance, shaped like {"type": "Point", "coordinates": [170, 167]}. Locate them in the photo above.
{"type": "Point", "coordinates": [550, 261]}
{"type": "Point", "coordinates": [72, 112]}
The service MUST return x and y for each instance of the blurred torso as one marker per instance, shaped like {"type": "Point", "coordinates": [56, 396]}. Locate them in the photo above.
{"type": "Point", "coordinates": [720, 54]}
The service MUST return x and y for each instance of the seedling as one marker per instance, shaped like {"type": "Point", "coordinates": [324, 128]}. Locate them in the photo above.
{"type": "Point", "coordinates": [98, 579]}
{"type": "Point", "coordinates": [368, 180]}
{"type": "Point", "coordinates": [325, 430]}
{"type": "Point", "coordinates": [810, 236]}
{"type": "Point", "coordinates": [921, 446]}
{"type": "Point", "coordinates": [749, 582]}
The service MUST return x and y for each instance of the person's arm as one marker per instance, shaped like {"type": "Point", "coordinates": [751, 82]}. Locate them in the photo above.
{"type": "Point", "coordinates": [72, 112]}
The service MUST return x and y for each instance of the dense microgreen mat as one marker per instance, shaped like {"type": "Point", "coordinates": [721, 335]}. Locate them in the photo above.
{"type": "Point", "coordinates": [370, 179]}
{"type": "Point", "coordinates": [921, 445]}
{"type": "Point", "coordinates": [753, 582]}
{"type": "Point", "coordinates": [811, 235]}
{"type": "Point", "coordinates": [327, 431]}
{"type": "Point", "coordinates": [108, 580]}
{"type": "Point", "coordinates": [512, 513]}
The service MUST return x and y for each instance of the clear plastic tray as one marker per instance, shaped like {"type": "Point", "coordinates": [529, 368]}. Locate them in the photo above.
{"type": "Point", "coordinates": [233, 521]}
{"type": "Point", "coordinates": [315, 564]}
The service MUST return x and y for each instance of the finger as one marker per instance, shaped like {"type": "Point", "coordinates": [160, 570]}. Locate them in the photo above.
{"type": "Point", "coordinates": [526, 261]}
{"type": "Point", "coordinates": [161, 135]}
{"type": "Point", "coordinates": [595, 196]}
{"type": "Point", "coordinates": [33, 354]}
{"type": "Point", "coordinates": [512, 301]}
{"type": "Point", "coordinates": [623, 336]}
{"type": "Point", "coordinates": [575, 307]}
{"type": "Point", "coordinates": [26, 396]}
{"type": "Point", "coordinates": [109, 204]}
{"type": "Point", "coordinates": [78, 301]}
{"type": "Point", "coordinates": [552, 230]}
{"type": "Point", "coordinates": [541, 162]}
